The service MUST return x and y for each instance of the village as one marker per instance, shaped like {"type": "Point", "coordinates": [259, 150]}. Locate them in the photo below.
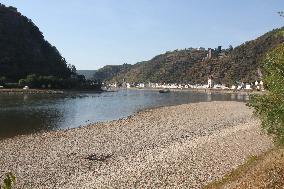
{"type": "Point", "coordinates": [217, 53]}
{"type": "Point", "coordinates": [257, 85]}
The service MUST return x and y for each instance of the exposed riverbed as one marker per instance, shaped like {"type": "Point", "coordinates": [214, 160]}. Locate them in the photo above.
{"type": "Point", "coordinates": [183, 146]}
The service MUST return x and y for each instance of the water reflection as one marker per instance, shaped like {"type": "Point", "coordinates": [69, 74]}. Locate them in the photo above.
{"type": "Point", "coordinates": [23, 114]}
{"type": "Point", "coordinates": [233, 96]}
{"type": "Point", "coordinates": [209, 96]}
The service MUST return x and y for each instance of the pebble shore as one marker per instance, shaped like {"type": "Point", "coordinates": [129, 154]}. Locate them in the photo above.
{"type": "Point", "coordinates": [185, 146]}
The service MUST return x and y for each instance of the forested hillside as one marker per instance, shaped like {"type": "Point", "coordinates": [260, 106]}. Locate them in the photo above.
{"type": "Point", "coordinates": [89, 74]}
{"type": "Point", "coordinates": [24, 50]}
{"type": "Point", "coordinates": [192, 65]}
{"type": "Point", "coordinates": [111, 71]}
{"type": "Point", "coordinates": [243, 62]}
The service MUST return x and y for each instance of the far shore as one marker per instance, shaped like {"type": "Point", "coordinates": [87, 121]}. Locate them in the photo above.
{"type": "Point", "coordinates": [30, 91]}
{"type": "Point", "coordinates": [49, 91]}
{"type": "Point", "coordinates": [222, 91]}
{"type": "Point", "coordinates": [185, 146]}
{"type": "Point", "coordinates": [44, 91]}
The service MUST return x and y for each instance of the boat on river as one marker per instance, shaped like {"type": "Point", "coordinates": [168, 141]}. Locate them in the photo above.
{"type": "Point", "coordinates": [164, 91]}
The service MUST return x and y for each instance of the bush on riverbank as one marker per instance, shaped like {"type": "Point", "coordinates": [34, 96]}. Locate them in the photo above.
{"type": "Point", "coordinates": [270, 107]}
{"type": "Point", "coordinates": [2, 80]}
{"type": "Point", "coordinates": [52, 82]}
{"type": "Point", "coordinates": [9, 181]}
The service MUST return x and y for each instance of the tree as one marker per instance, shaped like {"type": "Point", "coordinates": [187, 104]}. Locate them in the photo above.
{"type": "Point", "coordinates": [281, 13]}
{"type": "Point", "coordinates": [270, 107]}
{"type": "Point", "coordinates": [3, 80]}
{"type": "Point", "coordinates": [231, 48]}
{"type": "Point", "coordinates": [72, 69]}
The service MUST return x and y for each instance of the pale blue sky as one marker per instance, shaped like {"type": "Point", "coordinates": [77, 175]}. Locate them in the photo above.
{"type": "Point", "coordinates": [93, 33]}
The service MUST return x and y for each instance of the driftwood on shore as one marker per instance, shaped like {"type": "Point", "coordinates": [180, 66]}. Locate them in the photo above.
{"type": "Point", "coordinates": [96, 157]}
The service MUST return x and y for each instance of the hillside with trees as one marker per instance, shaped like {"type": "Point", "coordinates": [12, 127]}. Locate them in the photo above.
{"type": "Point", "coordinates": [89, 74]}
{"type": "Point", "coordinates": [111, 71]}
{"type": "Point", "coordinates": [27, 58]}
{"type": "Point", "coordinates": [192, 65]}
{"type": "Point", "coordinates": [24, 50]}
{"type": "Point", "coordinates": [244, 63]}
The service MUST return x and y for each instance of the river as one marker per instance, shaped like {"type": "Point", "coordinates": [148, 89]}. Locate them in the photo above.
{"type": "Point", "coordinates": [25, 114]}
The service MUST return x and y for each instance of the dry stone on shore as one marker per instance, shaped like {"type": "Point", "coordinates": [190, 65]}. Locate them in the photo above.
{"type": "Point", "coordinates": [183, 146]}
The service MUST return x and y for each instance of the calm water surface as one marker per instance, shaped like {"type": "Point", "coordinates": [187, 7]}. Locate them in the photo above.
{"type": "Point", "coordinates": [24, 114]}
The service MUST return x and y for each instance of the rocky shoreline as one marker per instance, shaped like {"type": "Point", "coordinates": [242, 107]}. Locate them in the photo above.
{"type": "Point", "coordinates": [29, 91]}
{"type": "Point", "coordinates": [184, 146]}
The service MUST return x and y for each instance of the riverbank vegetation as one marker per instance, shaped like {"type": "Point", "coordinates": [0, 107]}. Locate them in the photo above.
{"type": "Point", "coordinates": [8, 182]}
{"type": "Point", "coordinates": [270, 107]}
{"type": "Point", "coordinates": [52, 82]}
{"type": "Point", "coordinates": [77, 82]}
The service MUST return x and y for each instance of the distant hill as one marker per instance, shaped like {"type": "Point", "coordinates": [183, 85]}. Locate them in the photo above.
{"type": "Point", "coordinates": [169, 67]}
{"type": "Point", "coordinates": [192, 65]}
{"type": "Point", "coordinates": [24, 50]}
{"type": "Point", "coordinates": [89, 74]}
{"type": "Point", "coordinates": [110, 71]}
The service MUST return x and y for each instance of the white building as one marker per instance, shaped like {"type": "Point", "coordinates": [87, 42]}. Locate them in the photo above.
{"type": "Point", "coordinates": [220, 86]}
{"type": "Point", "coordinates": [210, 82]}
{"type": "Point", "coordinates": [113, 85]}
{"type": "Point", "coordinates": [248, 87]}
{"type": "Point", "coordinates": [128, 85]}
{"type": "Point", "coordinates": [261, 85]}
{"type": "Point", "coordinates": [141, 85]}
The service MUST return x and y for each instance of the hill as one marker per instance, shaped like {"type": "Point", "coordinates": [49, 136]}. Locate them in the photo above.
{"type": "Point", "coordinates": [110, 71]}
{"type": "Point", "coordinates": [89, 74]}
{"type": "Point", "coordinates": [24, 50]}
{"type": "Point", "coordinates": [195, 65]}
{"type": "Point", "coordinates": [244, 62]}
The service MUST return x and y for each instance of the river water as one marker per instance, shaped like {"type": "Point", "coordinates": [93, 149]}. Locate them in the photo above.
{"type": "Point", "coordinates": [25, 114]}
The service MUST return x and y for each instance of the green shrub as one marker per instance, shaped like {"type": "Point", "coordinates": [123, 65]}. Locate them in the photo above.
{"type": "Point", "coordinates": [3, 80]}
{"type": "Point", "coordinates": [11, 85]}
{"type": "Point", "coordinates": [52, 82]}
{"type": "Point", "coordinates": [9, 181]}
{"type": "Point", "coordinates": [270, 107]}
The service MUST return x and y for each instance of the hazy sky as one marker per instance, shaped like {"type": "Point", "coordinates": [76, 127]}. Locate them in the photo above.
{"type": "Point", "coordinates": [93, 33]}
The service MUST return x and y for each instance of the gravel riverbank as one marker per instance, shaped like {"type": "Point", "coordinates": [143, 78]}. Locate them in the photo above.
{"type": "Point", "coordinates": [178, 146]}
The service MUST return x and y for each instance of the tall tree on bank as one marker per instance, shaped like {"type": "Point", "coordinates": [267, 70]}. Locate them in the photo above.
{"type": "Point", "coordinates": [270, 107]}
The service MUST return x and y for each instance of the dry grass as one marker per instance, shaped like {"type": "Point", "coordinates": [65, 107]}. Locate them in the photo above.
{"type": "Point", "coordinates": [265, 172]}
